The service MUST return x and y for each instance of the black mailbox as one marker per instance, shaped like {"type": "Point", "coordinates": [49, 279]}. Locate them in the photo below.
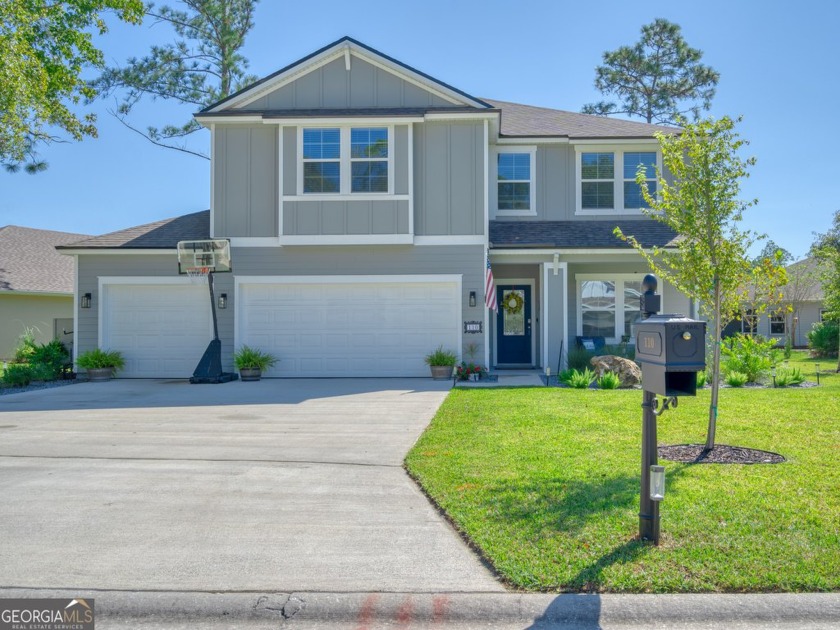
{"type": "Point", "coordinates": [671, 350]}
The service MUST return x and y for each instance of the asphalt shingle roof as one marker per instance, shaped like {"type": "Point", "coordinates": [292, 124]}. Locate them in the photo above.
{"type": "Point", "coordinates": [577, 234]}
{"type": "Point", "coordinates": [163, 234]}
{"type": "Point", "coordinates": [527, 120]}
{"type": "Point", "coordinates": [30, 263]}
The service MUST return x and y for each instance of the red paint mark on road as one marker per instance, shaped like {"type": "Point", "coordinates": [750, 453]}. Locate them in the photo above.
{"type": "Point", "coordinates": [367, 612]}
{"type": "Point", "coordinates": [439, 605]}
{"type": "Point", "coordinates": [405, 611]}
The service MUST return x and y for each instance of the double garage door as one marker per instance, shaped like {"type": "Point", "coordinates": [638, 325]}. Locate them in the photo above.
{"type": "Point", "coordinates": [335, 327]}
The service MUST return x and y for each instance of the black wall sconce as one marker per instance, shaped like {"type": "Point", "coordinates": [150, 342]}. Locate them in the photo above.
{"type": "Point", "coordinates": [223, 301]}
{"type": "Point", "coordinates": [472, 298]}
{"type": "Point", "coordinates": [85, 301]}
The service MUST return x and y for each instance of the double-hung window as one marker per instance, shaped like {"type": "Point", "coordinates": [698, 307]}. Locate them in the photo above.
{"type": "Point", "coordinates": [777, 324]}
{"type": "Point", "coordinates": [515, 191]}
{"type": "Point", "coordinates": [608, 306]}
{"type": "Point", "coordinates": [346, 160]}
{"type": "Point", "coordinates": [606, 179]}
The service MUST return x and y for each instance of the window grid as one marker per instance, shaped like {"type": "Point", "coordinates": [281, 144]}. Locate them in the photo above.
{"type": "Point", "coordinates": [345, 160]}
{"type": "Point", "coordinates": [322, 160]}
{"type": "Point", "coordinates": [633, 197]}
{"type": "Point", "coordinates": [777, 324]}
{"type": "Point", "coordinates": [369, 160]}
{"type": "Point", "coordinates": [597, 171]}
{"type": "Point", "coordinates": [513, 174]}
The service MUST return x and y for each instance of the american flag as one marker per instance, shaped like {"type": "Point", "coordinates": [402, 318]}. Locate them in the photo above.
{"type": "Point", "coordinates": [490, 288]}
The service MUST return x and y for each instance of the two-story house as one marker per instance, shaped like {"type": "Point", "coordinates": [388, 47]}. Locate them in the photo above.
{"type": "Point", "coordinates": [362, 199]}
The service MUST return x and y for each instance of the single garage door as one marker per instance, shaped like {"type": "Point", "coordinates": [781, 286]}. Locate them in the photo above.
{"type": "Point", "coordinates": [162, 330]}
{"type": "Point", "coordinates": [349, 328]}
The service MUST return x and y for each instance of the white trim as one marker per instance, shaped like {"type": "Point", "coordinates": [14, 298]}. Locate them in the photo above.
{"type": "Point", "coordinates": [494, 189]}
{"type": "Point", "coordinates": [254, 241]}
{"type": "Point", "coordinates": [410, 178]}
{"type": "Point", "coordinates": [75, 311]}
{"type": "Point", "coordinates": [325, 57]}
{"type": "Point", "coordinates": [280, 177]}
{"type": "Point", "coordinates": [57, 294]}
{"type": "Point", "coordinates": [566, 311]}
{"type": "Point", "coordinates": [347, 239]}
{"type": "Point", "coordinates": [609, 276]}
{"type": "Point", "coordinates": [618, 150]}
{"type": "Point", "coordinates": [104, 281]}
{"type": "Point", "coordinates": [347, 58]}
{"type": "Point", "coordinates": [562, 252]}
{"type": "Point", "coordinates": [333, 121]}
{"type": "Point", "coordinates": [347, 197]}
{"type": "Point", "coordinates": [503, 282]}
{"type": "Point", "coordinates": [606, 142]}
{"type": "Point", "coordinates": [117, 251]}
{"type": "Point", "coordinates": [486, 194]}
{"type": "Point", "coordinates": [478, 115]}
{"type": "Point", "coordinates": [544, 314]}
{"type": "Point", "coordinates": [535, 140]}
{"type": "Point", "coordinates": [453, 239]}
{"type": "Point", "coordinates": [212, 180]}
{"type": "Point", "coordinates": [456, 279]}
{"type": "Point", "coordinates": [229, 120]}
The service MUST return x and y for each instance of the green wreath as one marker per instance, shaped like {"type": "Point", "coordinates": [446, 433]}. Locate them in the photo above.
{"type": "Point", "coordinates": [512, 303]}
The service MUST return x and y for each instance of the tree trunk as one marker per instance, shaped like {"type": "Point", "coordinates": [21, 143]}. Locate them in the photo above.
{"type": "Point", "coordinates": [713, 405]}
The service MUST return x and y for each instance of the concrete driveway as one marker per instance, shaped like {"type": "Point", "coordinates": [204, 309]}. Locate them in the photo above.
{"type": "Point", "coordinates": [274, 486]}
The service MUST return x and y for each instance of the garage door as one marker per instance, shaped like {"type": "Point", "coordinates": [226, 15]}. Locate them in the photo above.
{"type": "Point", "coordinates": [358, 328]}
{"type": "Point", "coordinates": [162, 330]}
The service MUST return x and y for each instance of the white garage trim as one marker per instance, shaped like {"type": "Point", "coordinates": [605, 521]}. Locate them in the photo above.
{"type": "Point", "coordinates": [456, 280]}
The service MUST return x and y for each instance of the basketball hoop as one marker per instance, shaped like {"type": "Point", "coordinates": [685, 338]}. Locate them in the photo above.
{"type": "Point", "coordinates": [197, 275]}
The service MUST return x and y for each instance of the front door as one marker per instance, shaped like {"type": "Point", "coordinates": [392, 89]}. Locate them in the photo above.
{"type": "Point", "coordinates": [513, 325]}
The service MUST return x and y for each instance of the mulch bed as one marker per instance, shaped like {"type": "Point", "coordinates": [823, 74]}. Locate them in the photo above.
{"type": "Point", "coordinates": [721, 454]}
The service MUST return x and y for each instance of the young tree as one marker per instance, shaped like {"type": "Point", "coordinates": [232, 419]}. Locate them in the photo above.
{"type": "Point", "coordinates": [203, 65]}
{"type": "Point", "coordinates": [826, 249]}
{"type": "Point", "coordinates": [45, 47]}
{"type": "Point", "coordinates": [702, 205]}
{"type": "Point", "coordinates": [771, 251]}
{"type": "Point", "coordinates": [660, 78]}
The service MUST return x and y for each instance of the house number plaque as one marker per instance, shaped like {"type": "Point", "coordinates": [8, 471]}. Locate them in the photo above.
{"type": "Point", "coordinates": [472, 327]}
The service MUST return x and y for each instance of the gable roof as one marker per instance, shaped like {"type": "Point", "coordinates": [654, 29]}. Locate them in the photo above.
{"type": "Point", "coordinates": [313, 60]}
{"type": "Point", "coordinates": [524, 121]}
{"type": "Point", "coordinates": [30, 264]}
{"type": "Point", "coordinates": [163, 234]}
{"type": "Point", "coordinates": [577, 234]}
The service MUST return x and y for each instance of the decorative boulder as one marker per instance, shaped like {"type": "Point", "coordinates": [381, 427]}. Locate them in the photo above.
{"type": "Point", "coordinates": [627, 371]}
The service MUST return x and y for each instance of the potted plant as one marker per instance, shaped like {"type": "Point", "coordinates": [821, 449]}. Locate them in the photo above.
{"type": "Point", "coordinates": [101, 365]}
{"type": "Point", "coordinates": [441, 363]}
{"type": "Point", "coordinates": [251, 362]}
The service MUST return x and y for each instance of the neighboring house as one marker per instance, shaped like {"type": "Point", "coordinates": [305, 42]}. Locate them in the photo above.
{"type": "Point", "coordinates": [800, 308]}
{"type": "Point", "coordinates": [36, 287]}
{"type": "Point", "coordinates": [361, 198]}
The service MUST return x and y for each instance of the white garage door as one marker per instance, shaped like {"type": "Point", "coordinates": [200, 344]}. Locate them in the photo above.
{"type": "Point", "coordinates": [335, 328]}
{"type": "Point", "coordinates": [162, 330]}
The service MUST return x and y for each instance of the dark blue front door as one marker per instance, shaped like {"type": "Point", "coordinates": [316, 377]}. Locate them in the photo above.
{"type": "Point", "coordinates": [513, 325]}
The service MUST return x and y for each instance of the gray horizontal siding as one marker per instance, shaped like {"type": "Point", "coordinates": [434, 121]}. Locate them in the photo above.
{"type": "Point", "coordinates": [332, 87]}
{"type": "Point", "coordinates": [245, 181]}
{"type": "Point", "coordinates": [345, 217]}
{"type": "Point", "coordinates": [449, 178]}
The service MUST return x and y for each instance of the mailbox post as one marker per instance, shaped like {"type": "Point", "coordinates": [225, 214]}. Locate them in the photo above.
{"type": "Point", "coordinates": [671, 350]}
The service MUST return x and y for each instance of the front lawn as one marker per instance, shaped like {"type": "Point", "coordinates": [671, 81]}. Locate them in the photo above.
{"type": "Point", "coordinates": [545, 482]}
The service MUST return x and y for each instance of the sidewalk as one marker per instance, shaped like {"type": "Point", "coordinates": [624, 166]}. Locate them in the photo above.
{"type": "Point", "coordinates": [115, 609]}
{"type": "Point", "coordinates": [507, 378]}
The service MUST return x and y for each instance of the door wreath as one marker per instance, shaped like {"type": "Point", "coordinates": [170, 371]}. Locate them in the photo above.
{"type": "Point", "coordinates": [513, 303]}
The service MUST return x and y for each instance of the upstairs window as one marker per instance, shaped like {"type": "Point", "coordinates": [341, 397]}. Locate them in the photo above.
{"type": "Point", "coordinates": [514, 181]}
{"type": "Point", "coordinates": [597, 172]}
{"type": "Point", "coordinates": [633, 197]}
{"type": "Point", "coordinates": [321, 160]}
{"type": "Point", "coordinates": [345, 160]}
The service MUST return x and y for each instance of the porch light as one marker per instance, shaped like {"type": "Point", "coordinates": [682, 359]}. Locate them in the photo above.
{"type": "Point", "coordinates": [223, 301]}
{"type": "Point", "coordinates": [657, 483]}
{"type": "Point", "coordinates": [773, 374]}
{"type": "Point", "coordinates": [472, 298]}
{"type": "Point", "coordinates": [85, 301]}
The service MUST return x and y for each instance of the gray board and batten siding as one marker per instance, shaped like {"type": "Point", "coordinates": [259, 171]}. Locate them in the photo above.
{"type": "Point", "coordinates": [332, 86]}
{"type": "Point", "coordinates": [466, 261]}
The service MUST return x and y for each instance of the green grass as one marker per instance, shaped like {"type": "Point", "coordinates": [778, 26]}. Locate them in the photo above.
{"type": "Point", "coordinates": [545, 482]}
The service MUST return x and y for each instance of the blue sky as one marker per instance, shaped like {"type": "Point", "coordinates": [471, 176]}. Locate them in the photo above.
{"type": "Point", "coordinates": [778, 63]}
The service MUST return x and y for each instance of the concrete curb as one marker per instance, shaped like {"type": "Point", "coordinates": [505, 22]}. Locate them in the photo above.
{"type": "Point", "coordinates": [493, 609]}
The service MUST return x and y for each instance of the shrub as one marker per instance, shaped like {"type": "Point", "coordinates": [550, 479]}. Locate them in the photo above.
{"type": "Point", "coordinates": [26, 345]}
{"type": "Point", "coordinates": [17, 375]}
{"type": "Point", "coordinates": [97, 359]}
{"type": "Point", "coordinates": [736, 379]}
{"type": "Point", "coordinates": [48, 359]}
{"type": "Point", "coordinates": [751, 355]}
{"type": "Point", "coordinates": [823, 339]}
{"type": "Point", "coordinates": [581, 379]}
{"type": "Point", "coordinates": [248, 358]}
{"type": "Point", "coordinates": [565, 376]}
{"type": "Point", "coordinates": [439, 357]}
{"type": "Point", "coordinates": [702, 377]}
{"type": "Point", "coordinates": [465, 370]}
{"type": "Point", "coordinates": [578, 359]}
{"type": "Point", "coordinates": [609, 381]}
{"type": "Point", "coordinates": [789, 376]}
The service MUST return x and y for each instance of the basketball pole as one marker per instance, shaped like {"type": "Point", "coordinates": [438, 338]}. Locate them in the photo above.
{"type": "Point", "coordinates": [209, 369]}
{"type": "Point", "coordinates": [213, 306]}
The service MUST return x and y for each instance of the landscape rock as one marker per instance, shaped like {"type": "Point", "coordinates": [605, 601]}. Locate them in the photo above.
{"type": "Point", "coordinates": [627, 371]}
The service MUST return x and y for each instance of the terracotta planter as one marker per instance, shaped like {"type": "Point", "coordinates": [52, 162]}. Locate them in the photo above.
{"type": "Point", "coordinates": [441, 372]}
{"type": "Point", "coordinates": [99, 375]}
{"type": "Point", "coordinates": [250, 374]}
